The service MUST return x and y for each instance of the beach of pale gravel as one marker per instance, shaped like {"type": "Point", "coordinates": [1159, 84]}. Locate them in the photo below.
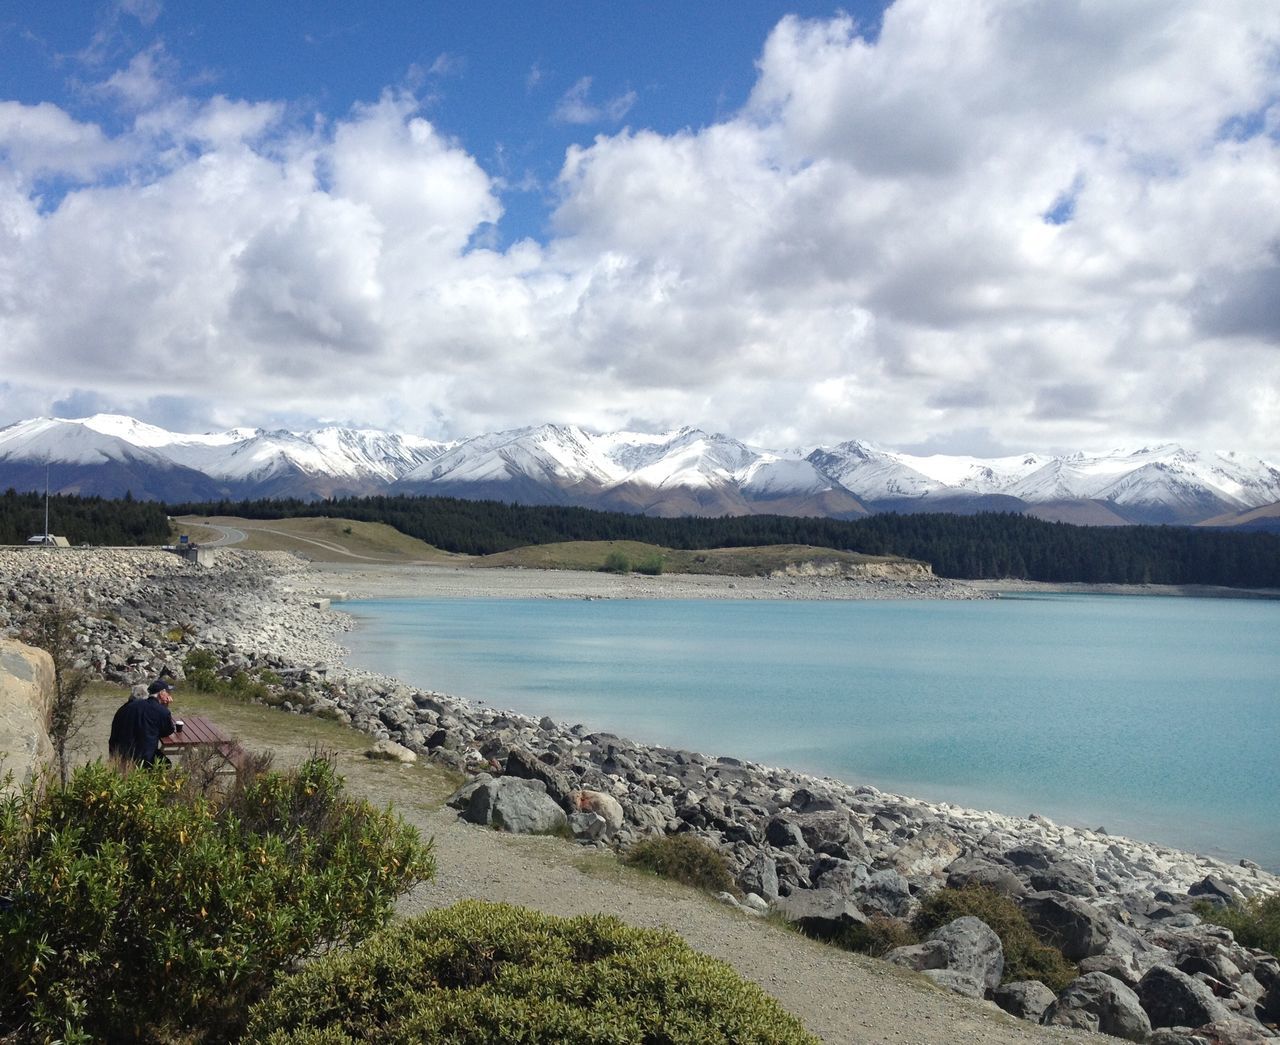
{"type": "Point", "coordinates": [365, 581]}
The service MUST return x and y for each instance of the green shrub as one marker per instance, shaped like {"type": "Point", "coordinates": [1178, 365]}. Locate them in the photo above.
{"type": "Point", "coordinates": [138, 898]}
{"type": "Point", "coordinates": [478, 973]}
{"type": "Point", "coordinates": [202, 673]}
{"type": "Point", "coordinates": [684, 858]}
{"type": "Point", "coordinates": [650, 567]}
{"type": "Point", "coordinates": [1026, 957]}
{"type": "Point", "coordinates": [616, 562]}
{"type": "Point", "coordinates": [878, 936]}
{"type": "Point", "coordinates": [1254, 923]}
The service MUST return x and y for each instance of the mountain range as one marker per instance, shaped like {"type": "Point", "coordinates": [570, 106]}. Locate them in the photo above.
{"type": "Point", "coordinates": [681, 472]}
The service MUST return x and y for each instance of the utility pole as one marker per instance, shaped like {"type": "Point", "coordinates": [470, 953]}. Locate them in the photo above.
{"type": "Point", "coordinates": [46, 500]}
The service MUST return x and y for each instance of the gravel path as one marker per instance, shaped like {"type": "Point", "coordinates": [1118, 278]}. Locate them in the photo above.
{"type": "Point", "coordinates": [841, 997]}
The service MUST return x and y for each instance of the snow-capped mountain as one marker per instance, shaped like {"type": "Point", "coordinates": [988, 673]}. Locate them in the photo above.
{"type": "Point", "coordinates": [107, 454]}
{"type": "Point", "coordinates": [682, 472]}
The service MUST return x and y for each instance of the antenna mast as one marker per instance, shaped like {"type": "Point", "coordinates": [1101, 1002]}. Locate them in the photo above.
{"type": "Point", "coordinates": [46, 500]}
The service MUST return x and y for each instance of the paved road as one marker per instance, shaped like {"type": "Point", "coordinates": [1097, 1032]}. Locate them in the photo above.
{"type": "Point", "coordinates": [226, 535]}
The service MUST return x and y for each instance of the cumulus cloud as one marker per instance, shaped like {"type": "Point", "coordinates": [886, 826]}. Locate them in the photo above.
{"type": "Point", "coordinates": [1019, 221]}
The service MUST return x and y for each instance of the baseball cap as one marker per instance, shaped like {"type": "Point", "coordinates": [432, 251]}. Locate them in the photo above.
{"type": "Point", "coordinates": [159, 686]}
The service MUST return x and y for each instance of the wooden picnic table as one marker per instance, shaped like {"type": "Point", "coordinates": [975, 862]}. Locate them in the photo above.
{"type": "Point", "coordinates": [200, 732]}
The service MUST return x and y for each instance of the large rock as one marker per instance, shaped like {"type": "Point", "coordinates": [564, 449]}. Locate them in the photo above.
{"type": "Point", "coordinates": [608, 808]}
{"type": "Point", "coordinates": [760, 876]}
{"type": "Point", "coordinates": [929, 852]}
{"type": "Point", "coordinates": [824, 913]}
{"type": "Point", "coordinates": [974, 871]}
{"type": "Point", "coordinates": [514, 804]}
{"type": "Point", "coordinates": [1174, 999]}
{"type": "Point", "coordinates": [26, 696]}
{"type": "Point", "coordinates": [1101, 1003]}
{"type": "Point", "coordinates": [1068, 923]}
{"type": "Point", "coordinates": [964, 956]}
{"type": "Point", "coordinates": [1026, 999]}
{"type": "Point", "coordinates": [520, 763]}
{"type": "Point", "coordinates": [832, 832]}
{"type": "Point", "coordinates": [885, 891]}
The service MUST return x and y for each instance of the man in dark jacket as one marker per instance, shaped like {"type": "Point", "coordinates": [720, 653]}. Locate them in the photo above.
{"type": "Point", "coordinates": [138, 725]}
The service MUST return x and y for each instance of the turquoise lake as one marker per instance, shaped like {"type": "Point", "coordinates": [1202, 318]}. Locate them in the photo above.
{"type": "Point", "coordinates": [1153, 717]}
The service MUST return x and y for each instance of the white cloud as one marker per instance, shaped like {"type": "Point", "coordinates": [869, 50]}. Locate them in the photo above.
{"type": "Point", "coordinates": [862, 251]}
{"type": "Point", "coordinates": [144, 81]}
{"type": "Point", "coordinates": [576, 106]}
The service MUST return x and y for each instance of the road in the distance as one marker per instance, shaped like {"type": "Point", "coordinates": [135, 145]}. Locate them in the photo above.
{"type": "Point", "coordinates": [226, 535]}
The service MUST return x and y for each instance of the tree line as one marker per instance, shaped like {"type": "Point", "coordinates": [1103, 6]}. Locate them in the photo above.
{"type": "Point", "coordinates": [986, 545]}
{"type": "Point", "coordinates": [91, 520]}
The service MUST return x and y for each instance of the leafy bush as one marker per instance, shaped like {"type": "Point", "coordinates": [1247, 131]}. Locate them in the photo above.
{"type": "Point", "coordinates": [480, 973]}
{"type": "Point", "coordinates": [1254, 923]}
{"type": "Point", "coordinates": [138, 898]}
{"type": "Point", "coordinates": [684, 858]}
{"type": "Point", "coordinates": [616, 562]}
{"type": "Point", "coordinates": [651, 567]}
{"type": "Point", "coordinates": [202, 673]}
{"type": "Point", "coordinates": [1026, 957]}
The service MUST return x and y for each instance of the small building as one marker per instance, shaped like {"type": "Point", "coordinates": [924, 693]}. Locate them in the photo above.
{"type": "Point", "coordinates": [48, 540]}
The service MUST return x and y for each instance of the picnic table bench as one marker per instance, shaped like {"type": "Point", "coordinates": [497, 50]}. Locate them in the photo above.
{"type": "Point", "coordinates": [200, 733]}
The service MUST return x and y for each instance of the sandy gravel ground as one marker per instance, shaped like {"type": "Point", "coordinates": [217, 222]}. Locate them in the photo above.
{"type": "Point", "coordinates": [843, 998]}
{"type": "Point", "coordinates": [431, 581]}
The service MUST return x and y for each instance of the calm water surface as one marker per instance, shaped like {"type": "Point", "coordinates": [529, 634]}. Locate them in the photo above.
{"type": "Point", "coordinates": [1154, 717]}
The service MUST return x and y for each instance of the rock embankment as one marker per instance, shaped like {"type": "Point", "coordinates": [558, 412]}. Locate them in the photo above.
{"type": "Point", "coordinates": [824, 853]}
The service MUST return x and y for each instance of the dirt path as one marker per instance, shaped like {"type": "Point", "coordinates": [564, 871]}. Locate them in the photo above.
{"type": "Point", "coordinates": [841, 997]}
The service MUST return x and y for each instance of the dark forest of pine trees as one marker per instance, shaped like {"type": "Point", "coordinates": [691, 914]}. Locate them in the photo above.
{"type": "Point", "coordinates": [91, 520]}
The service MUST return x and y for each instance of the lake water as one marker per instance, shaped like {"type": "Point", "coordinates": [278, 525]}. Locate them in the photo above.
{"type": "Point", "coordinates": [1152, 717]}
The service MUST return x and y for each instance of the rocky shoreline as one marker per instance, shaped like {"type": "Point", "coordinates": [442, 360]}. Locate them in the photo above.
{"type": "Point", "coordinates": [823, 852]}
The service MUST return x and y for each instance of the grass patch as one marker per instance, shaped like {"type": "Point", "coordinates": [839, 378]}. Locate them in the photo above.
{"type": "Point", "coordinates": [686, 859]}
{"type": "Point", "coordinates": [321, 539]}
{"type": "Point", "coordinates": [1254, 923]}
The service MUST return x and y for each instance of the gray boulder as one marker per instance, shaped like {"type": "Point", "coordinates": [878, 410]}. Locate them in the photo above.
{"type": "Point", "coordinates": [975, 871]}
{"type": "Point", "coordinates": [1100, 1003]}
{"type": "Point", "coordinates": [760, 876]}
{"type": "Point", "coordinates": [833, 832]}
{"type": "Point", "coordinates": [520, 763]}
{"type": "Point", "coordinates": [885, 891]}
{"type": "Point", "coordinates": [823, 913]}
{"type": "Point", "coordinates": [516, 805]}
{"type": "Point", "coordinates": [964, 956]}
{"type": "Point", "coordinates": [1068, 923]}
{"type": "Point", "coordinates": [782, 833]}
{"type": "Point", "coordinates": [1026, 999]}
{"type": "Point", "coordinates": [1174, 999]}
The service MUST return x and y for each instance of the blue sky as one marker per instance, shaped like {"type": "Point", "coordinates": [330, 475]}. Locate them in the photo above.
{"type": "Point", "coordinates": [981, 226]}
{"type": "Point", "coordinates": [504, 79]}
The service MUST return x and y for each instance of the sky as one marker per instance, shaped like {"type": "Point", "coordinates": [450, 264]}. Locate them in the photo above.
{"type": "Point", "coordinates": [957, 226]}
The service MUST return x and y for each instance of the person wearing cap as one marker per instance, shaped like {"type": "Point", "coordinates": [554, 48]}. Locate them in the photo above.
{"type": "Point", "coordinates": [138, 725]}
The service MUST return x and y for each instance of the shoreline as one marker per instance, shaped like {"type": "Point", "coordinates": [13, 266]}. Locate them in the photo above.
{"type": "Point", "coordinates": [431, 580]}
{"type": "Point", "coordinates": [810, 848]}
{"type": "Point", "coordinates": [449, 582]}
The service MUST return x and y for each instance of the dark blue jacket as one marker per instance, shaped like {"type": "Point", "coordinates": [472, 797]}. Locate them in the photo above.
{"type": "Point", "coordinates": [136, 730]}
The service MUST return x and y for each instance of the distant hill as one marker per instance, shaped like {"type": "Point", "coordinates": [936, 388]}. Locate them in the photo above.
{"type": "Point", "coordinates": [1265, 519]}
{"type": "Point", "coordinates": [682, 472]}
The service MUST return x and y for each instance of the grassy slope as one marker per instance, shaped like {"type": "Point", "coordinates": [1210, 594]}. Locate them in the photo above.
{"type": "Point", "coordinates": [345, 540]}
{"type": "Point", "coordinates": [325, 540]}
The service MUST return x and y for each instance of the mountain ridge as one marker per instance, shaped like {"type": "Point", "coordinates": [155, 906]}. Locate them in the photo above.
{"type": "Point", "coordinates": [685, 471]}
